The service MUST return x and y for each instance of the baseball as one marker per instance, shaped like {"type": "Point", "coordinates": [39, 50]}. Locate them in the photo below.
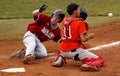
{"type": "Point", "coordinates": [110, 14]}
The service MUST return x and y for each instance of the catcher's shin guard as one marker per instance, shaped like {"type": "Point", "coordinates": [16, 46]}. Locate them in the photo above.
{"type": "Point", "coordinates": [59, 60]}
{"type": "Point", "coordinates": [92, 64]}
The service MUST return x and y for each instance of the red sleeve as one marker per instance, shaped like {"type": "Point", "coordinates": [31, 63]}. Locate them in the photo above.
{"type": "Point", "coordinates": [86, 25]}
{"type": "Point", "coordinates": [82, 28]}
{"type": "Point", "coordinates": [43, 17]}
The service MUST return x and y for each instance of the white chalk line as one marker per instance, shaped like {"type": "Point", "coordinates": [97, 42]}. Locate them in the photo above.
{"type": "Point", "coordinates": [104, 46]}
{"type": "Point", "coordinates": [51, 55]}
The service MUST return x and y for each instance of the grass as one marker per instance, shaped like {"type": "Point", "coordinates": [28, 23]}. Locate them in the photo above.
{"type": "Point", "coordinates": [94, 21]}
{"type": "Point", "coordinates": [15, 15]}
{"type": "Point", "coordinates": [23, 8]}
{"type": "Point", "coordinates": [14, 29]}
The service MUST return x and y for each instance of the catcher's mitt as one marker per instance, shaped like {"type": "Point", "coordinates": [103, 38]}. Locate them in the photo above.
{"type": "Point", "coordinates": [42, 8]}
{"type": "Point", "coordinates": [83, 13]}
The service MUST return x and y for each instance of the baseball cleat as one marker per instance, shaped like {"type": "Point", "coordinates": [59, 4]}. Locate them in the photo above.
{"type": "Point", "coordinates": [19, 54]}
{"type": "Point", "coordinates": [29, 59]}
{"type": "Point", "coordinates": [92, 64]}
{"type": "Point", "coordinates": [86, 67]}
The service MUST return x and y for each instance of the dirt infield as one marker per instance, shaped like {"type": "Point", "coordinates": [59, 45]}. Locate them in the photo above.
{"type": "Point", "coordinates": [104, 34]}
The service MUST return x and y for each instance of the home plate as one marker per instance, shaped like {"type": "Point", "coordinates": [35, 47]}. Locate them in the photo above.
{"type": "Point", "coordinates": [13, 70]}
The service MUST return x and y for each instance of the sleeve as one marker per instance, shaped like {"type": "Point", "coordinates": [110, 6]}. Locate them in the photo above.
{"type": "Point", "coordinates": [42, 17]}
{"type": "Point", "coordinates": [86, 25]}
{"type": "Point", "coordinates": [82, 28]}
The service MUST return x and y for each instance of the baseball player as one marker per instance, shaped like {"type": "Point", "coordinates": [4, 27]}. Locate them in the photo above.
{"type": "Point", "coordinates": [43, 29]}
{"type": "Point", "coordinates": [73, 33]}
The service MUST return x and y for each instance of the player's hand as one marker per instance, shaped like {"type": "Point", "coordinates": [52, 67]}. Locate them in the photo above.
{"type": "Point", "coordinates": [42, 8]}
{"type": "Point", "coordinates": [91, 35]}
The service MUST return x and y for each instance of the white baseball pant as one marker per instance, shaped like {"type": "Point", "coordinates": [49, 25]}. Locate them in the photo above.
{"type": "Point", "coordinates": [82, 53]}
{"type": "Point", "coordinates": [34, 46]}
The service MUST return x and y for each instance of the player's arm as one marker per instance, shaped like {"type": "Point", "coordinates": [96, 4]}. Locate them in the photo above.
{"type": "Point", "coordinates": [85, 37]}
{"type": "Point", "coordinates": [36, 12]}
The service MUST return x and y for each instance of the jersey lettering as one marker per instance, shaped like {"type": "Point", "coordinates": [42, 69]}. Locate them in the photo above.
{"type": "Point", "coordinates": [48, 33]}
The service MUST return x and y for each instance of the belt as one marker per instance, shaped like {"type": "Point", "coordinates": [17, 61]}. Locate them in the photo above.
{"type": "Point", "coordinates": [73, 50]}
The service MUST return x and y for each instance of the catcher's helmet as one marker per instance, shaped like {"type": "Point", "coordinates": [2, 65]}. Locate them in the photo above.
{"type": "Point", "coordinates": [60, 14]}
{"type": "Point", "coordinates": [83, 13]}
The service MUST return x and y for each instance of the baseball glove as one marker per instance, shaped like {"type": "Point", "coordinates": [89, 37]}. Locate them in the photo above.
{"type": "Point", "coordinates": [42, 8]}
{"type": "Point", "coordinates": [83, 13]}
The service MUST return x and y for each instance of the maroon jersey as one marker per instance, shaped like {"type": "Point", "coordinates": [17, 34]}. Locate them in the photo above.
{"type": "Point", "coordinates": [43, 30]}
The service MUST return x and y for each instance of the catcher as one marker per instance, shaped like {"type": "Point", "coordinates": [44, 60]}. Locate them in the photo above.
{"type": "Point", "coordinates": [44, 28]}
{"type": "Point", "coordinates": [73, 33]}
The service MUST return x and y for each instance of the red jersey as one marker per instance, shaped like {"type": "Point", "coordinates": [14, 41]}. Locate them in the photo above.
{"type": "Point", "coordinates": [43, 30]}
{"type": "Point", "coordinates": [86, 25]}
{"type": "Point", "coordinates": [71, 34]}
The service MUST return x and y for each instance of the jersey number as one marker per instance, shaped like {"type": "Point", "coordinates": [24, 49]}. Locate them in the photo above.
{"type": "Point", "coordinates": [66, 32]}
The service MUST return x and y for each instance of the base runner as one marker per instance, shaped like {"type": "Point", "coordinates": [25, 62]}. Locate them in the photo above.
{"type": "Point", "coordinates": [44, 28]}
